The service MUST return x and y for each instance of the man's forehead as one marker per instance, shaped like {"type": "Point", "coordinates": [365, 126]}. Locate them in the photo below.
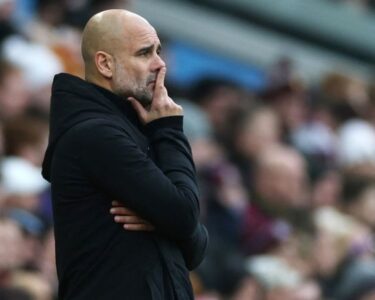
{"type": "Point", "coordinates": [140, 30]}
{"type": "Point", "coordinates": [142, 36]}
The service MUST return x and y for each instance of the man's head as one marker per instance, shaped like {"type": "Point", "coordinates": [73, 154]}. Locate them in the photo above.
{"type": "Point", "coordinates": [121, 53]}
{"type": "Point", "coordinates": [280, 177]}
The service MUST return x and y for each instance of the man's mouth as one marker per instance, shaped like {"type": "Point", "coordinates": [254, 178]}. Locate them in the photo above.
{"type": "Point", "coordinates": [151, 80]}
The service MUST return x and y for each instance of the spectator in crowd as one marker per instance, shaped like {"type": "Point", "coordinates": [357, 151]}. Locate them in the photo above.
{"type": "Point", "coordinates": [225, 200]}
{"type": "Point", "coordinates": [10, 249]}
{"type": "Point", "coordinates": [224, 271]}
{"type": "Point", "coordinates": [37, 68]}
{"type": "Point", "coordinates": [281, 280]}
{"type": "Point", "coordinates": [46, 260]}
{"type": "Point", "coordinates": [7, 7]}
{"type": "Point", "coordinates": [279, 197]}
{"type": "Point", "coordinates": [289, 101]}
{"type": "Point", "coordinates": [14, 97]}
{"type": "Point", "coordinates": [356, 148]}
{"type": "Point", "coordinates": [221, 99]}
{"type": "Point", "coordinates": [342, 246]}
{"type": "Point", "coordinates": [253, 132]}
{"type": "Point", "coordinates": [358, 199]}
{"type": "Point", "coordinates": [326, 188]}
{"type": "Point", "coordinates": [22, 183]}
{"type": "Point", "coordinates": [26, 136]}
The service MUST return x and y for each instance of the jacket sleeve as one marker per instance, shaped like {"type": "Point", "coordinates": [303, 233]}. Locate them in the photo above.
{"type": "Point", "coordinates": [166, 194]}
{"type": "Point", "coordinates": [194, 247]}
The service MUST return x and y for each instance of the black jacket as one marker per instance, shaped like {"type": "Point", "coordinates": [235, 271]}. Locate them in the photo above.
{"type": "Point", "coordinates": [99, 152]}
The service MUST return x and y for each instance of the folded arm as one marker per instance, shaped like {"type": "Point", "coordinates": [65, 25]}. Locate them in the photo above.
{"type": "Point", "coordinates": [166, 198]}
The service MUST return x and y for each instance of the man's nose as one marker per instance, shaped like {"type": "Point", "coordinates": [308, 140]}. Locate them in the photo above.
{"type": "Point", "coordinates": [158, 63]}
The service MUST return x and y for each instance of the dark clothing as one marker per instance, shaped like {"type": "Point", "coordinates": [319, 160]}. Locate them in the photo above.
{"type": "Point", "coordinates": [99, 152]}
{"type": "Point", "coordinates": [259, 231]}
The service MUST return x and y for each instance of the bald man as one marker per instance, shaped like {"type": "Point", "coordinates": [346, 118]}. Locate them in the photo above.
{"type": "Point", "coordinates": [117, 135]}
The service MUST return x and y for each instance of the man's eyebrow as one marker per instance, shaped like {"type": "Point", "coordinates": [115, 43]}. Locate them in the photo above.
{"type": "Point", "coordinates": [145, 49]}
{"type": "Point", "coordinates": [148, 49]}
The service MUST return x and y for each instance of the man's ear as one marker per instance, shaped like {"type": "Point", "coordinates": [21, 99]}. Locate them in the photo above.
{"type": "Point", "coordinates": [104, 64]}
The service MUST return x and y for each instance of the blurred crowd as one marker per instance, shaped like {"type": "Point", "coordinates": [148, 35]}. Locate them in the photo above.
{"type": "Point", "coordinates": [288, 188]}
{"type": "Point", "coordinates": [287, 175]}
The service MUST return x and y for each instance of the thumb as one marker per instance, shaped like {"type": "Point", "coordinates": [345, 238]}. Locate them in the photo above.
{"type": "Point", "coordinates": [141, 111]}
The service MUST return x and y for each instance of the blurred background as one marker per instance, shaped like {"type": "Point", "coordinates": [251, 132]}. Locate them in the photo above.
{"type": "Point", "coordinates": [279, 101]}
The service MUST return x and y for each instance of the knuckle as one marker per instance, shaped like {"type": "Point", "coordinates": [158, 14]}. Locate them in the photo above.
{"type": "Point", "coordinates": [162, 89]}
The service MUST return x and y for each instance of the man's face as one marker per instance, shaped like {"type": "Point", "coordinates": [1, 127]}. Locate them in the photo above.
{"type": "Point", "coordinates": [137, 63]}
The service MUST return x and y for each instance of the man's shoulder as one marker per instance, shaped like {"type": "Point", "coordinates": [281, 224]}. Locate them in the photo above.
{"type": "Point", "coordinates": [98, 122]}
{"type": "Point", "coordinates": [96, 127]}
{"type": "Point", "coordinates": [104, 132]}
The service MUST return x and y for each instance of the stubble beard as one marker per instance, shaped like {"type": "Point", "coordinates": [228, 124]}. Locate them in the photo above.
{"type": "Point", "coordinates": [130, 89]}
{"type": "Point", "coordinates": [144, 96]}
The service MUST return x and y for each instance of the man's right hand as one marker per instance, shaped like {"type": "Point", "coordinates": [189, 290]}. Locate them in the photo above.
{"type": "Point", "coordinates": [130, 220]}
{"type": "Point", "coordinates": [162, 105]}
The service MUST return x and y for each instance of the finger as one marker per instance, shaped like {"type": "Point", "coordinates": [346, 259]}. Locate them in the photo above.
{"type": "Point", "coordinates": [160, 78]}
{"type": "Point", "coordinates": [159, 88]}
{"type": "Point", "coordinates": [138, 227]}
{"type": "Point", "coordinates": [115, 203]}
{"type": "Point", "coordinates": [121, 210]}
{"type": "Point", "coordinates": [129, 220]}
{"type": "Point", "coordinates": [141, 111]}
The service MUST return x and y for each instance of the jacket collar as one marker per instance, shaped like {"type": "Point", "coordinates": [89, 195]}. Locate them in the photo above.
{"type": "Point", "coordinates": [122, 104]}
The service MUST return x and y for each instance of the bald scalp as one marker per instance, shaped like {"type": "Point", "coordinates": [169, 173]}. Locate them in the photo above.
{"type": "Point", "coordinates": [106, 31]}
{"type": "Point", "coordinates": [280, 156]}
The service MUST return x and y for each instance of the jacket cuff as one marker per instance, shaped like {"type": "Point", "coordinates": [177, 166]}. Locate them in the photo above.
{"type": "Point", "coordinates": [174, 122]}
{"type": "Point", "coordinates": [195, 247]}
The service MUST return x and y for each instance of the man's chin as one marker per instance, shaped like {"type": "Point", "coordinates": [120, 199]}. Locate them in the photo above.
{"type": "Point", "coordinates": [146, 102]}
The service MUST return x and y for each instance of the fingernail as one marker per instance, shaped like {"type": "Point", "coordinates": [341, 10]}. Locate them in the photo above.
{"type": "Point", "coordinates": [117, 218]}
{"type": "Point", "coordinates": [112, 210]}
{"type": "Point", "coordinates": [126, 226]}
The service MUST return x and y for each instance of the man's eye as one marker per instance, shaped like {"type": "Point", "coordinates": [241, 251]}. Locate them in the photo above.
{"type": "Point", "coordinates": [144, 53]}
